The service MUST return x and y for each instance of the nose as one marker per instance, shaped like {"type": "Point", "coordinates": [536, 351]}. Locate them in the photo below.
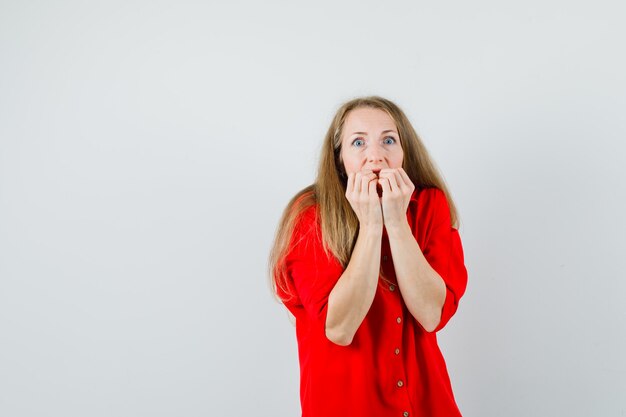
{"type": "Point", "coordinates": [375, 153]}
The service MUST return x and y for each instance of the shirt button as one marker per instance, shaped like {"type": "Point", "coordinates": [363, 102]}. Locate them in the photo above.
{"type": "Point", "coordinates": [397, 351]}
{"type": "Point", "coordinates": [399, 320]}
{"type": "Point", "coordinates": [405, 414]}
{"type": "Point", "coordinates": [400, 384]}
{"type": "Point", "coordinates": [392, 288]}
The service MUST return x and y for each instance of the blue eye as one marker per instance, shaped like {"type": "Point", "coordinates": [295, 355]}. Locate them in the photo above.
{"type": "Point", "coordinates": [358, 143]}
{"type": "Point", "coordinates": [389, 140]}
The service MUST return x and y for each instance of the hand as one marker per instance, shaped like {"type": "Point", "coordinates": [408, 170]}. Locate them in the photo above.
{"type": "Point", "coordinates": [397, 190]}
{"type": "Point", "coordinates": [363, 197]}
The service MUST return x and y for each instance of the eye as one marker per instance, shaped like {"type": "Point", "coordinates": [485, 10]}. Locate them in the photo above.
{"type": "Point", "coordinates": [357, 143]}
{"type": "Point", "coordinates": [389, 140]}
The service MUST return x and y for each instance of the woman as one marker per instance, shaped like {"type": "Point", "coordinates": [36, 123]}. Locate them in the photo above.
{"type": "Point", "coordinates": [369, 261]}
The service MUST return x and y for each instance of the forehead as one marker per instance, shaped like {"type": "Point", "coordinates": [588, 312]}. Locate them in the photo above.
{"type": "Point", "coordinates": [367, 119]}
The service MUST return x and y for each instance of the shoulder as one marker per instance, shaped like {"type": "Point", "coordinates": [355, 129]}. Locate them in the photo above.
{"type": "Point", "coordinates": [429, 204]}
{"type": "Point", "coordinates": [306, 226]}
{"type": "Point", "coordinates": [307, 219]}
{"type": "Point", "coordinates": [430, 197]}
{"type": "Point", "coordinates": [427, 194]}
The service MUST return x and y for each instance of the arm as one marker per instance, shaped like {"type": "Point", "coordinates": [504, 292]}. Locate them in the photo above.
{"type": "Point", "coordinates": [353, 294]}
{"type": "Point", "coordinates": [422, 288]}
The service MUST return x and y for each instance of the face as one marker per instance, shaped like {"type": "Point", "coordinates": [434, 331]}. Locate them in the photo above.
{"type": "Point", "coordinates": [370, 140]}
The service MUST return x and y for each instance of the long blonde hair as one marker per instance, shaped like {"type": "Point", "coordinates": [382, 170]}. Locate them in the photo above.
{"type": "Point", "coordinates": [339, 224]}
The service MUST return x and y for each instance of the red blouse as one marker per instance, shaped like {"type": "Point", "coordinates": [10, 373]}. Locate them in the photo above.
{"type": "Point", "coordinates": [393, 367]}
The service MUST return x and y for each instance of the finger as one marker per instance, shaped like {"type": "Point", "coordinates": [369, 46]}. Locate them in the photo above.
{"type": "Point", "coordinates": [398, 182]}
{"type": "Point", "coordinates": [386, 186]}
{"type": "Point", "coordinates": [373, 194]}
{"type": "Point", "coordinates": [365, 182]}
{"type": "Point", "coordinates": [389, 175]}
{"type": "Point", "coordinates": [406, 179]}
{"type": "Point", "coordinates": [350, 183]}
{"type": "Point", "coordinates": [357, 182]}
{"type": "Point", "coordinates": [369, 174]}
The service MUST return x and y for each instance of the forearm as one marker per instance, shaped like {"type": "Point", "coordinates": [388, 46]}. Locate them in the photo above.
{"type": "Point", "coordinates": [422, 288]}
{"type": "Point", "coordinates": [352, 296]}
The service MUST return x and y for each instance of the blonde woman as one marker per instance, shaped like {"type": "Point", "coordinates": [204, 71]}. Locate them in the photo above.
{"type": "Point", "coordinates": [369, 261]}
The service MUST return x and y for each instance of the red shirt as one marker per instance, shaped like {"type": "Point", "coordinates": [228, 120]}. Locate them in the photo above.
{"type": "Point", "coordinates": [393, 367]}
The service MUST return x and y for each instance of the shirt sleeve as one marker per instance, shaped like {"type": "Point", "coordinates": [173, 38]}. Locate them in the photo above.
{"type": "Point", "coordinates": [444, 253]}
{"type": "Point", "coordinates": [312, 271]}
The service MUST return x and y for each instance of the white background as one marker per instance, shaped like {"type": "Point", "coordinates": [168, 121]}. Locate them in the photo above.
{"type": "Point", "coordinates": [147, 149]}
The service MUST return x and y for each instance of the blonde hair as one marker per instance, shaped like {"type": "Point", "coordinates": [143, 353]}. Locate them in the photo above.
{"type": "Point", "coordinates": [339, 223]}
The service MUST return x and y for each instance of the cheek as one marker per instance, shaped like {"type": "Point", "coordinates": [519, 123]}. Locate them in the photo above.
{"type": "Point", "coordinates": [350, 162]}
{"type": "Point", "coordinates": [398, 159]}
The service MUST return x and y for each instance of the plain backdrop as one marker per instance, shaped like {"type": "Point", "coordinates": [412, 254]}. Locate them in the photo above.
{"type": "Point", "coordinates": [147, 149]}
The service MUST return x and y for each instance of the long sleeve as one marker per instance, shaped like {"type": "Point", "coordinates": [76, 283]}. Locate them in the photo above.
{"type": "Point", "coordinates": [443, 251]}
{"type": "Point", "coordinates": [313, 272]}
{"type": "Point", "coordinates": [392, 367]}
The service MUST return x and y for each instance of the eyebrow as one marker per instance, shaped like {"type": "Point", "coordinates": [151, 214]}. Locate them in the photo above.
{"type": "Point", "coordinates": [365, 133]}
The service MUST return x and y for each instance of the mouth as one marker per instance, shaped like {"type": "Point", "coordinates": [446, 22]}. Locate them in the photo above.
{"type": "Point", "coordinates": [379, 188]}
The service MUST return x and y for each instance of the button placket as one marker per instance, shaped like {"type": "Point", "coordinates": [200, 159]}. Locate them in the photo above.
{"type": "Point", "coordinates": [399, 372]}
